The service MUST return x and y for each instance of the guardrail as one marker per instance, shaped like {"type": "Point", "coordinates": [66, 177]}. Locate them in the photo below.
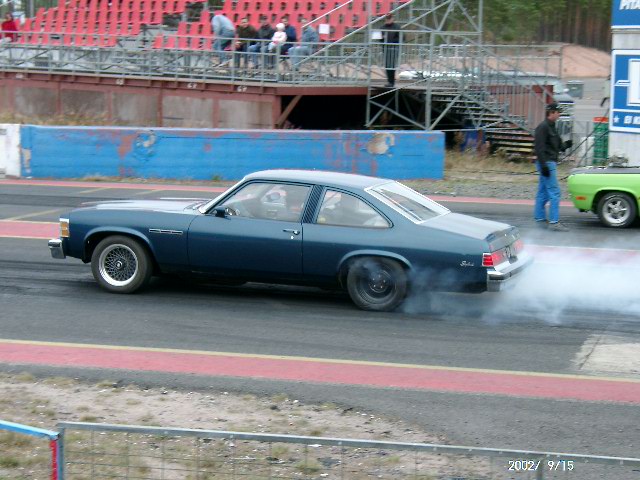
{"type": "Point", "coordinates": [26, 459]}
{"type": "Point", "coordinates": [124, 451]}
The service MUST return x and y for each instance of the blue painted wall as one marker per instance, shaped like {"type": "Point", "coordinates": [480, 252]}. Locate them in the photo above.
{"type": "Point", "coordinates": [76, 152]}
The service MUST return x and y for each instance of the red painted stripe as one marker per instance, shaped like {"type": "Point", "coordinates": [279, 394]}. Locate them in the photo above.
{"type": "Point", "coordinates": [16, 229]}
{"type": "Point", "coordinates": [118, 185]}
{"type": "Point", "coordinates": [315, 371]}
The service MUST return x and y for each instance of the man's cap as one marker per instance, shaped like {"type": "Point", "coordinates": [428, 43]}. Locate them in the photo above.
{"type": "Point", "coordinates": [553, 107]}
{"type": "Point", "coordinates": [388, 16]}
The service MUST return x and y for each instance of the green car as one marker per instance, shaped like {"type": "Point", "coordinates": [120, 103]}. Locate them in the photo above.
{"type": "Point", "coordinates": [613, 193]}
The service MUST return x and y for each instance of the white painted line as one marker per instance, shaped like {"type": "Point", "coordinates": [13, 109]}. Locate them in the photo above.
{"type": "Point", "coordinates": [30, 215]}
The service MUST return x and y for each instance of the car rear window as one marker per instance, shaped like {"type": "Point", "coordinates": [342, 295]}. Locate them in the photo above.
{"type": "Point", "coordinates": [408, 202]}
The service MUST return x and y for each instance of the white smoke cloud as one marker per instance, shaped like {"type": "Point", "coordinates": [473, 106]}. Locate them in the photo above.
{"type": "Point", "coordinates": [563, 282]}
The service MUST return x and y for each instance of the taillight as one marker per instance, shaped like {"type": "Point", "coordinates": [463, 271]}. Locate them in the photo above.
{"type": "Point", "coordinates": [494, 258]}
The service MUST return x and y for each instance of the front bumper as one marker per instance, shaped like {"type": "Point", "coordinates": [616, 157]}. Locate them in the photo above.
{"type": "Point", "coordinates": [503, 278]}
{"type": "Point", "coordinates": [56, 248]}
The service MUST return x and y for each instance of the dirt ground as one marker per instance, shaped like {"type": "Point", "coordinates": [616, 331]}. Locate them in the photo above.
{"type": "Point", "coordinates": [44, 402]}
{"type": "Point", "coordinates": [583, 62]}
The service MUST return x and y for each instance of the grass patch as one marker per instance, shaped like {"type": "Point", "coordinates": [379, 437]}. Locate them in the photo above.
{"type": "Point", "coordinates": [15, 440]}
{"type": "Point", "coordinates": [279, 398]}
{"type": "Point", "coordinates": [59, 381]}
{"type": "Point", "coordinates": [9, 462]}
{"type": "Point", "coordinates": [25, 377]}
{"type": "Point", "coordinates": [308, 468]}
{"type": "Point", "coordinates": [89, 419]}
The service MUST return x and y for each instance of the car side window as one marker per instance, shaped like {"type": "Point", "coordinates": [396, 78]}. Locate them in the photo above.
{"type": "Point", "coordinates": [343, 209]}
{"type": "Point", "coordinates": [269, 201]}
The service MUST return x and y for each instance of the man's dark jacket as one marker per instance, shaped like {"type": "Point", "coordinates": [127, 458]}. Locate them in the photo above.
{"type": "Point", "coordinates": [265, 32]}
{"type": "Point", "coordinates": [245, 34]}
{"type": "Point", "coordinates": [548, 143]}
{"type": "Point", "coordinates": [391, 33]}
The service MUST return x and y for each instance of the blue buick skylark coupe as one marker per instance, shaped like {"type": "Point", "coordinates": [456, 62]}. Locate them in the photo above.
{"type": "Point", "coordinates": [373, 237]}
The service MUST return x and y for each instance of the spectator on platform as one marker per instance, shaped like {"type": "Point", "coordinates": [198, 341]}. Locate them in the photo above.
{"type": "Point", "coordinates": [278, 39]}
{"type": "Point", "coordinates": [9, 28]}
{"type": "Point", "coordinates": [390, 48]}
{"type": "Point", "coordinates": [224, 33]}
{"type": "Point", "coordinates": [265, 34]}
{"type": "Point", "coordinates": [246, 35]}
{"type": "Point", "coordinates": [292, 36]}
{"type": "Point", "coordinates": [308, 44]}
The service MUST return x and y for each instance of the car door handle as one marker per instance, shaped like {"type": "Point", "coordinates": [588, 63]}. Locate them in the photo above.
{"type": "Point", "coordinates": [292, 231]}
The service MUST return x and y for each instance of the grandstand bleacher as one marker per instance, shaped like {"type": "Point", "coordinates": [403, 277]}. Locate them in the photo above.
{"type": "Point", "coordinates": [101, 23]}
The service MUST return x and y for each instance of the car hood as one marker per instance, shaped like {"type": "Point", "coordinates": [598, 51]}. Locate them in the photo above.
{"type": "Point", "coordinates": [161, 205]}
{"type": "Point", "coordinates": [467, 226]}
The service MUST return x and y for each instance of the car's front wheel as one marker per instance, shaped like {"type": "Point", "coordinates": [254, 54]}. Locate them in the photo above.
{"type": "Point", "coordinates": [378, 284]}
{"type": "Point", "coordinates": [121, 264]}
{"type": "Point", "coordinates": [617, 210]}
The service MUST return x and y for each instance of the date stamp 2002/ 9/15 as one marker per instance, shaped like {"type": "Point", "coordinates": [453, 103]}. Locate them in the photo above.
{"type": "Point", "coordinates": [535, 465]}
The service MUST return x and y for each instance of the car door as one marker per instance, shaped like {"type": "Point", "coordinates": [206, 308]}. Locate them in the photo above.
{"type": "Point", "coordinates": [258, 237]}
{"type": "Point", "coordinates": [344, 224]}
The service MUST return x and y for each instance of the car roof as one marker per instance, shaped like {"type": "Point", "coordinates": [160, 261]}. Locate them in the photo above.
{"type": "Point", "coordinates": [320, 177]}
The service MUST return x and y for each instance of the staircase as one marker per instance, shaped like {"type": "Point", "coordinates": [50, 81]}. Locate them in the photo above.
{"type": "Point", "coordinates": [459, 79]}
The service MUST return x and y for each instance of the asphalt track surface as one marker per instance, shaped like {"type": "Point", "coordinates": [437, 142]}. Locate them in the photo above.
{"type": "Point", "coordinates": [488, 370]}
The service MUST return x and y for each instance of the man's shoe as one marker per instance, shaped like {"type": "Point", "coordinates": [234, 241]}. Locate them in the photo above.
{"type": "Point", "coordinates": [389, 85]}
{"type": "Point", "coordinates": [558, 227]}
{"type": "Point", "coordinates": [541, 224]}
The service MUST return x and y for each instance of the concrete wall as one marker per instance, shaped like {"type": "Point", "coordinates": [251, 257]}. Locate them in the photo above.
{"type": "Point", "coordinates": [76, 152]}
{"type": "Point", "coordinates": [10, 149]}
{"type": "Point", "coordinates": [143, 104]}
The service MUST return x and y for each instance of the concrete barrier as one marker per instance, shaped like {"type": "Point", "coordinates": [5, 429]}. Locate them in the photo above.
{"type": "Point", "coordinates": [9, 149]}
{"type": "Point", "coordinates": [77, 152]}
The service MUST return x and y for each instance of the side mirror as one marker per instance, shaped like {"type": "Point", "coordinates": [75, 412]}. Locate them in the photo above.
{"type": "Point", "coordinates": [221, 211]}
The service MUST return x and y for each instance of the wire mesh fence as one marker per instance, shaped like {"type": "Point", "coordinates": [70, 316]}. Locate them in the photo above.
{"type": "Point", "coordinates": [96, 451]}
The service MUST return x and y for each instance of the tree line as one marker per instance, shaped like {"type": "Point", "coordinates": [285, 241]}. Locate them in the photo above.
{"type": "Point", "coordinates": [584, 22]}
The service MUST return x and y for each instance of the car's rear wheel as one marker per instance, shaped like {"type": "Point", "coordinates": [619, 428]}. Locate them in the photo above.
{"type": "Point", "coordinates": [378, 284]}
{"type": "Point", "coordinates": [121, 264]}
{"type": "Point", "coordinates": [617, 210]}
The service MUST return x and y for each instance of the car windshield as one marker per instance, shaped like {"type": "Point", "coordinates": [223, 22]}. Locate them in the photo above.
{"type": "Point", "coordinates": [408, 202]}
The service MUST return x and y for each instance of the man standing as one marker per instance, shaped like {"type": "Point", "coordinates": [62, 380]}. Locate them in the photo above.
{"type": "Point", "coordinates": [390, 49]}
{"type": "Point", "coordinates": [548, 146]}
{"type": "Point", "coordinates": [259, 49]}
{"type": "Point", "coordinates": [224, 31]}
{"type": "Point", "coordinates": [308, 44]}
{"type": "Point", "coordinates": [246, 36]}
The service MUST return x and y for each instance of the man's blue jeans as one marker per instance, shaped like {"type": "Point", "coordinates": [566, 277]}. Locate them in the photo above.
{"type": "Point", "coordinates": [548, 192]}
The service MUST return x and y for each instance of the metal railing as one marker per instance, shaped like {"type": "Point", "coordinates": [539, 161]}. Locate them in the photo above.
{"type": "Point", "coordinates": [133, 452]}
{"type": "Point", "coordinates": [24, 458]}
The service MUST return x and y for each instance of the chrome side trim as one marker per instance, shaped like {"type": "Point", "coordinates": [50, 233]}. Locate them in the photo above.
{"type": "Point", "coordinates": [167, 232]}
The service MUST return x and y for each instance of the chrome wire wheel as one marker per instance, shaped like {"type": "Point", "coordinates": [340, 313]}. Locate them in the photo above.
{"type": "Point", "coordinates": [118, 265]}
{"type": "Point", "coordinates": [616, 210]}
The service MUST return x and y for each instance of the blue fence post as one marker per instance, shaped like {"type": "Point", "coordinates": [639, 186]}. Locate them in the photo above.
{"type": "Point", "coordinates": [54, 445]}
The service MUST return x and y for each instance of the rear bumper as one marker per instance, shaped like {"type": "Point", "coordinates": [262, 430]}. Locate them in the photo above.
{"type": "Point", "coordinates": [502, 278]}
{"type": "Point", "coordinates": [56, 247]}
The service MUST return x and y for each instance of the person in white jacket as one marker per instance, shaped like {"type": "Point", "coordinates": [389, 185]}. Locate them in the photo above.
{"type": "Point", "coordinates": [279, 38]}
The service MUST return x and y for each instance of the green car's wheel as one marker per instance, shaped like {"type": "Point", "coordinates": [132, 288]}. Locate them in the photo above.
{"type": "Point", "coordinates": [617, 210]}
